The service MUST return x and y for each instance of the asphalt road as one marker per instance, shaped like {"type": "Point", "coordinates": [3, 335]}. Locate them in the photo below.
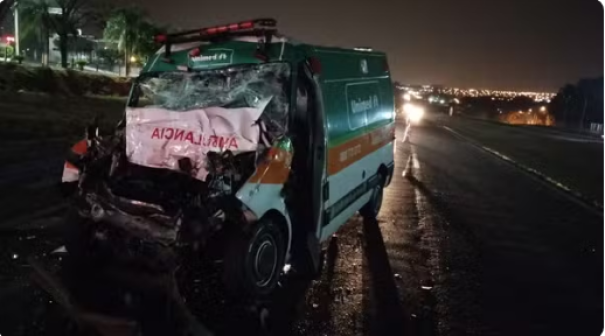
{"type": "Point", "coordinates": [573, 160]}
{"type": "Point", "coordinates": [466, 244]}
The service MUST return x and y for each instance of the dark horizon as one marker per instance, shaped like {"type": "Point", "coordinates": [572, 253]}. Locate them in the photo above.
{"type": "Point", "coordinates": [502, 45]}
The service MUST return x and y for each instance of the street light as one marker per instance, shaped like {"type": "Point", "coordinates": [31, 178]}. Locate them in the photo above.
{"type": "Point", "coordinates": [543, 109]}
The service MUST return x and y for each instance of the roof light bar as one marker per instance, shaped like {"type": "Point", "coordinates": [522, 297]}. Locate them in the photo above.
{"type": "Point", "coordinates": [266, 27]}
{"type": "Point", "coordinates": [217, 30]}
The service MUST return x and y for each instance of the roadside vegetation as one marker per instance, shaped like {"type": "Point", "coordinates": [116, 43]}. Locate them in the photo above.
{"type": "Point", "coordinates": [41, 103]}
{"type": "Point", "coordinates": [22, 78]}
{"type": "Point", "coordinates": [34, 116]}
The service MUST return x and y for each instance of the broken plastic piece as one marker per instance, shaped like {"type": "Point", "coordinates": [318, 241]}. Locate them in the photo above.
{"type": "Point", "coordinates": [60, 250]}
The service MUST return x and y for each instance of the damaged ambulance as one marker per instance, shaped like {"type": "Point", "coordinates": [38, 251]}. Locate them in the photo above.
{"type": "Point", "coordinates": [237, 144]}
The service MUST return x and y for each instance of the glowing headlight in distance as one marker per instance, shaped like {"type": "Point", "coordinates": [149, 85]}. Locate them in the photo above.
{"type": "Point", "coordinates": [413, 112]}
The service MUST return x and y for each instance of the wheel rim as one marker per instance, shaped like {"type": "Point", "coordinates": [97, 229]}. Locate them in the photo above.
{"type": "Point", "coordinates": [265, 261]}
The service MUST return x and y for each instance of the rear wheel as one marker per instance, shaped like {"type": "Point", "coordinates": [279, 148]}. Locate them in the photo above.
{"type": "Point", "coordinates": [254, 260]}
{"type": "Point", "coordinates": [372, 208]}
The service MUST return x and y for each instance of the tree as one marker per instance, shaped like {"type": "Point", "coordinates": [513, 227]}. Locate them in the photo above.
{"type": "Point", "coordinates": [578, 105]}
{"type": "Point", "coordinates": [71, 15]}
{"type": "Point", "coordinates": [36, 23]}
{"type": "Point", "coordinates": [109, 56]}
{"type": "Point", "coordinates": [75, 14]}
{"type": "Point", "coordinates": [5, 7]}
{"type": "Point", "coordinates": [590, 91]}
{"type": "Point", "coordinates": [564, 104]}
{"type": "Point", "coordinates": [133, 33]}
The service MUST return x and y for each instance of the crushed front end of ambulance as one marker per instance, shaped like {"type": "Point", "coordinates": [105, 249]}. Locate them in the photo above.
{"type": "Point", "coordinates": [194, 171]}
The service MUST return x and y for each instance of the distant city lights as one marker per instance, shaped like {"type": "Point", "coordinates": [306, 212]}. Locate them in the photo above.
{"type": "Point", "coordinates": [433, 90]}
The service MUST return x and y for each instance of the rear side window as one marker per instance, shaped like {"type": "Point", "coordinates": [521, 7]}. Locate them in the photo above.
{"type": "Point", "coordinates": [363, 101]}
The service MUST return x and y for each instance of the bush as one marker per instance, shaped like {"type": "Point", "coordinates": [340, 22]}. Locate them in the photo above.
{"type": "Point", "coordinates": [81, 64]}
{"type": "Point", "coordinates": [6, 51]}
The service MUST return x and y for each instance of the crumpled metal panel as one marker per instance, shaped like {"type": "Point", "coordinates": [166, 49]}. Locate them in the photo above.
{"type": "Point", "coordinates": [189, 114]}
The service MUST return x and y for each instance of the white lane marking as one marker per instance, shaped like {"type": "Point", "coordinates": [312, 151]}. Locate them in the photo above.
{"type": "Point", "coordinates": [551, 181]}
{"type": "Point", "coordinates": [411, 164]}
{"type": "Point", "coordinates": [415, 163]}
{"type": "Point", "coordinates": [566, 138]}
{"type": "Point", "coordinates": [406, 133]}
{"type": "Point", "coordinates": [408, 167]}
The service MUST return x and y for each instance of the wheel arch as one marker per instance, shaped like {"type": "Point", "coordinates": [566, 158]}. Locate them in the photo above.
{"type": "Point", "coordinates": [283, 223]}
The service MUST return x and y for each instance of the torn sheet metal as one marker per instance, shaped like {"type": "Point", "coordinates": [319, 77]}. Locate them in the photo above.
{"type": "Point", "coordinates": [188, 115]}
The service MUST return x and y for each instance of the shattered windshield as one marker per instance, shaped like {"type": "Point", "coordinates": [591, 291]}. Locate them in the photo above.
{"type": "Point", "coordinates": [233, 87]}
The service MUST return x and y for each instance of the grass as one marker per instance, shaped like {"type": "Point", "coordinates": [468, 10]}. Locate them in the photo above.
{"type": "Point", "coordinates": [42, 113]}
{"type": "Point", "coordinates": [36, 130]}
{"type": "Point", "coordinates": [35, 116]}
{"type": "Point", "coordinates": [18, 78]}
{"type": "Point", "coordinates": [41, 103]}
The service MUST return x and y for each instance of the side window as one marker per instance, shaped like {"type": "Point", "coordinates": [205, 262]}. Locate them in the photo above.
{"type": "Point", "coordinates": [363, 101]}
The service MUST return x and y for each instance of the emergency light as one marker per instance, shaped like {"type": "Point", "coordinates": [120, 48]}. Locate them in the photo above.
{"type": "Point", "coordinates": [245, 26]}
{"type": "Point", "coordinates": [261, 27]}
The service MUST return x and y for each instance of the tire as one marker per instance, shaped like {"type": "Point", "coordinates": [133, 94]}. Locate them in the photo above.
{"type": "Point", "coordinates": [372, 208]}
{"type": "Point", "coordinates": [305, 269]}
{"type": "Point", "coordinates": [254, 260]}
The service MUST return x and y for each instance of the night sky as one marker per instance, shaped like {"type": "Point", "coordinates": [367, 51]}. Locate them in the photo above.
{"type": "Point", "coordinates": [514, 44]}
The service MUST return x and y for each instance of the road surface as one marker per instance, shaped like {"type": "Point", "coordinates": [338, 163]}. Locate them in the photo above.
{"type": "Point", "coordinates": [573, 160]}
{"type": "Point", "coordinates": [465, 244]}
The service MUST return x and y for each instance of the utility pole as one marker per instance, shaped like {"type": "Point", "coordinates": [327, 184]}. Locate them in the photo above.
{"type": "Point", "coordinates": [16, 14]}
